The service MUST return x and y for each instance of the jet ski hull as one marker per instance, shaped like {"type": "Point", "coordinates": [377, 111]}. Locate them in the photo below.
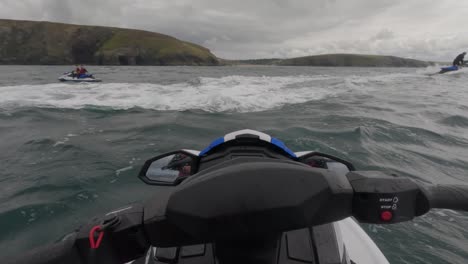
{"type": "Point", "coordinates": [69, 78]}
{"type": "Point", "coordinates": [339, 242]}
{"type": "Point", "coordinates": [449, 69]}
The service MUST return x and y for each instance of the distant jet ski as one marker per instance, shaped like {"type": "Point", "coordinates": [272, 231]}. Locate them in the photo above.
{"type": "Point", "coordinates": [457, 64]}
{"type": "Point", "coordinates": [69, 77]}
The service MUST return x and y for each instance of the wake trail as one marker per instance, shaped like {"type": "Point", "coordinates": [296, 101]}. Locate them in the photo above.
{"type": "Point", "coordinates": [230, 93]}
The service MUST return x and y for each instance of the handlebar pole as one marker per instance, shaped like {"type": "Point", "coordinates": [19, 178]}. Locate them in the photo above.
{"type": "Point", "coordinates": [447, 196]}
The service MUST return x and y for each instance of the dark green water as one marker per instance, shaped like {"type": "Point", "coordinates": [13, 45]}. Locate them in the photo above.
{"type": "Point", "coordinates": [71, 151]}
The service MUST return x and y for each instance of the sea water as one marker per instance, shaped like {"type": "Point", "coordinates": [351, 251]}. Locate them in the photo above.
{"type": "Point", "coordinates": [72, 151]}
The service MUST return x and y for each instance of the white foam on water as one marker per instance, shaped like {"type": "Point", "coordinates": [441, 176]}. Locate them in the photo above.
{"type": "Point", "coordinates": [117, 172]}
{"type": "Point", "coordinates": [374, 83]}
{"type": "Point", "coordinates": [230, 93]}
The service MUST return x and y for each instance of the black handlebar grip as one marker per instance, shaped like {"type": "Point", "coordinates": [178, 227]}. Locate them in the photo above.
{"type": "Point", "coordinates": [448, 196]}
{"type": "Point", "coordinates": [60, 252]}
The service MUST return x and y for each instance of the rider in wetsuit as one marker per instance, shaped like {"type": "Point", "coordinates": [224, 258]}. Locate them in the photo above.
{"type": "Point", "coordinates": [458, 61]}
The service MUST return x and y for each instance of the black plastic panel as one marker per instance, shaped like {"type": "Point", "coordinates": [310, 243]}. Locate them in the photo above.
{"type": "Point", "coordinates": [192, 251]}
{"type": "Point", "coordinates": [167, 255]}
{"type": "Point", "coordinates": [299, 245]}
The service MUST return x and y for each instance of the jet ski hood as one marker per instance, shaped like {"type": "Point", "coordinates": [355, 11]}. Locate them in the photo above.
{"type": "Point", "coordinates": [246, 136]}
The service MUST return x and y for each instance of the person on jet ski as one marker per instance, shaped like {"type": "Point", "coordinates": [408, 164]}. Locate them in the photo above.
{"type": "Point", "coordinates": [82, 71]}
{"type": "Point", "coordinates": [185, 170]}
{"type": "Point", "coordinates": [180, 162]}
{"type": "Point", "coordinates": [458, 61]}
{"type": "Point", "coordinates": [76, 72]}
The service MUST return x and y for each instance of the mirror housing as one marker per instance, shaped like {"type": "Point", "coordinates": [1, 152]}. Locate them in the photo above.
{"type": "Point", "coordinates": [169, 169]}
{"type": "Point", "coordinates": [325, 161]}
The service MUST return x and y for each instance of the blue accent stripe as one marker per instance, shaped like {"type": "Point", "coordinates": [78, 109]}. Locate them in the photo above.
{"type": "Point", "coordinates": [213, 144]}
{"type": "Point", "coordinates": [282, 146]}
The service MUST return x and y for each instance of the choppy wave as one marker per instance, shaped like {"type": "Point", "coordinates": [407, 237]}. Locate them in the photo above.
{"type": "Point", "coordinates": [235, 93]}
{"type": "Point", "coordinates": [231, 93]}
{"type": "Point", "coordinates": [455, 120]}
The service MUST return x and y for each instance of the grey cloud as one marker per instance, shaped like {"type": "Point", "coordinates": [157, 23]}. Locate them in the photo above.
{"type": "Point", "coordinates": [278, 28]}
{"type": "Point", "coordinates": [384, 34]}
{"type": "Point", "coordinates": [60, 10]}
{"type": "Point", "coordinates": [102, 12]}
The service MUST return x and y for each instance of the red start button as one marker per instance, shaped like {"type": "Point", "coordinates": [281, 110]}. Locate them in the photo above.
{"type": "Point", "coordinates": [386, 215]}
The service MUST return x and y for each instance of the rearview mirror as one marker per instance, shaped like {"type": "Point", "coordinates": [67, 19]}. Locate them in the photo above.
{"type": "Point", "coordinates": [169, 169]}
{"type": "Point", "coordinates": [326, 161]}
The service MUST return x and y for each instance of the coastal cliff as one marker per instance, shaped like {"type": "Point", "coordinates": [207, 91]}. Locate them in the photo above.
{"type": "Point", "coordinates": [29, 42]}
{"type": "Point", "coordinates": [337, 60]}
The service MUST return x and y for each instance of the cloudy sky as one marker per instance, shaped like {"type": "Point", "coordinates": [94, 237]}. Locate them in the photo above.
{"type": "Point", "coordinates": [421, 29]}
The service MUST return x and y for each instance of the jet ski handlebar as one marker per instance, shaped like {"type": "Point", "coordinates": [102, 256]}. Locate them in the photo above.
{"type": "Point", "coordinates": [247, 199]}
{"type": "Point", "coordinates": [453, 197]}
{"type": "Point", "coordinates": [384, 199]}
